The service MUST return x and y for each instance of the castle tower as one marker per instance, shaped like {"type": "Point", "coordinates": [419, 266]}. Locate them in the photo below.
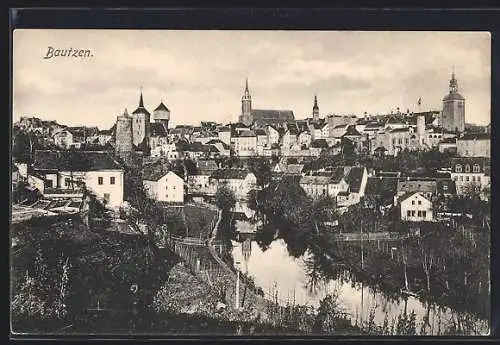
{"type": "Point", "coordinates": [453, 115]}
{"type": "Point", "coordinates": [246, 106]}
{"type": "Point", "coordinates": [315, 113]}
{"type": "Point", "coordinates": [140, 124]}
{"type": "Point", "coordinates": [162, 114]}
{"type": "Point", "coordinates": [123, 135]}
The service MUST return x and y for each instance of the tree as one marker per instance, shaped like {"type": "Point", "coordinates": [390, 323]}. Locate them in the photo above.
{"type": "Point", "coordinates": [225, 198]}
{"type": "Point", "coordinates": [261, 168]}
{"type": "Point", "coordinates": [22, 147]}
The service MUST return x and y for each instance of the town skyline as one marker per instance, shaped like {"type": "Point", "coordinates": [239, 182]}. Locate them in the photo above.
{"type": "Point", "coordinates": [285, 71]}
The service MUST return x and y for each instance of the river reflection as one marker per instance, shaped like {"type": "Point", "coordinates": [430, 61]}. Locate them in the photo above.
{"type": "Point", "coordinates": [274, 269]}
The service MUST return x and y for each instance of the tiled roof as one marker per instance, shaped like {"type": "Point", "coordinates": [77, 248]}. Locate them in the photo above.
{"type": "Point", "coordinates": [417, 186]}
{"type": "Point", "coordinates": [475, 136]}
{"type": "Point", "coordinates": [319, 143]}
{"type": "Point", "coordinates": [161, 107]}
{"type": "Point", "coordinates": [354, 178]}
{"type": "Point", "coordinates": [154, 172]}
{"type": "Point", "coordinates": [352, 131]}
{"type": "Point", "coordinates": [141, 110]}
{"type": "Point", "coordinates": [74, 160]}
{"type": "Point", "coordinates": [453, 96]}
{"type": "Point", "coordinates": [381, 186]}
{"type": "Point", "coordinates": [230, 174]}
{"type": "Point", "coordinates": [399, 130]}
{"type": "Point", "coordinates": [268, 116]}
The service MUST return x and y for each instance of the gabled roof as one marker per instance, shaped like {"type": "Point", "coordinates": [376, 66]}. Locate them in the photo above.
{"type": "Point", "coordinates": [409, 195]}
{"type": "Point", "coordinates": [153, 172]}
{"type": "Point", "coordinates": [260, 131]}
{"type": "Point", "coordinates": [74, 161]}
{"type": "Point", "coordinates": [161, 107]}
{"type": "Point", "coordinates": [352, 131]}
{"type": "Point", "coordinates": [230, 174]}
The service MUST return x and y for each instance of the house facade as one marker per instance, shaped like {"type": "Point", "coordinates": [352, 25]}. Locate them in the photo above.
{"type": "Point", "coordinates": [164, 187]}
{"type": "Point", "coordinates": [415, 207]}
{"type": "Point", "coordinates": [66, 171]}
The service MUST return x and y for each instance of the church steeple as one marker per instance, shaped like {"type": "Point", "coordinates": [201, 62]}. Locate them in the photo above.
{"type": "Point", "coordinates": [141, 101]}
{"type": "Point", "coordinates": [453, 82]}
{"type": "Point", "coordinates": [315, 112]}
{"type": "Point", "coordinates": [246, 106]}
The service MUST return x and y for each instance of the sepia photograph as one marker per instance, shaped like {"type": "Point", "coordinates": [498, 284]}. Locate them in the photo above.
{"type": "Point", "coordinates": [250, 183]}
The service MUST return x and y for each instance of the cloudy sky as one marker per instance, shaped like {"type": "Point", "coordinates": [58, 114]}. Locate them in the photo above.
{"type": "Point", "coordinates": [200, 75]}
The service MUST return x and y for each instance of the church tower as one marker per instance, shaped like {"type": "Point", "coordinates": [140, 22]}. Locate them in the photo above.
{"type": "Point", "coordinates": [246, 107]}
{"type": "Point", "coordinates": [453, 115]}
{"type": "Point", "coordinates": [315, 113]}
{"type": "Point", "coordinates": [140, 124]}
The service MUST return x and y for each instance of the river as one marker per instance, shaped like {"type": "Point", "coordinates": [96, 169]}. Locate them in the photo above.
{"type": "Point", "coordinates": [275, 270]}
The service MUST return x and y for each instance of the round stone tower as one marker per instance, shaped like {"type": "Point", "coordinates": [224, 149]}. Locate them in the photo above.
{"type": "Point", "coordinates": [123, 134]}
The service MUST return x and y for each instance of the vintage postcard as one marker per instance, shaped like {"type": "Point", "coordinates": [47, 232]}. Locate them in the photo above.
{"type": "Point", "coordinates": [250, 183]}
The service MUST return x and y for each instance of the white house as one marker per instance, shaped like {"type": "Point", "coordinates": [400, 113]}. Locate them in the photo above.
{"type": "Point", "coordinates": [164, 186]}
{"type": "Point", "coordinates": [67, 171]}
{"type": "Point", "coordinates": [238, 180]}
{"type": "Point", "coordinates": [470, 174]}
{"type": "Point", "coordinates": [416, 208]}
{"type": "Point", "coordinates": [474, 145]}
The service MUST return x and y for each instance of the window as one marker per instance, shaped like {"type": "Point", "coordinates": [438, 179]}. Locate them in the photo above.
{"type": "Point", "coordinates": [467, 168]}
{"type": "Point", "coordinates": [48, 184]}
{"type": "Point", "coordinates": [467, 178]}
{"type": "Point", "coordinates": [67, 181]}
{"type": "Point", "coordinates": [400, 141]}
{"type": "Point", "coordinates": [420, 202]}
{"type": "Point", "coordinates": [408, 213]}
{"type": "Point", "coordinates": [413, 202]}
{"type": "Point", "coordinates": [476, 168]}
{"type": "Point", "coordinates": [424, 214]}
{"type": "Point", "coordinates": [167, 196]}
{"type": "Point", "coordinates": [112, 180]}
{"type": "Point", "coordinates": [473, 178]}
{"type": "Point", "coordinates": [406, 141]}
{"type": "Point", "coordinates": [458, 168]}
{"type": "Point", "coordinates": [394, 141]}
{"type": "Point", "coordinates": [461, 178]}
{"type": "Point", "coordinates": [413, 213]}
{"type": "Point", "coordinates": [419, 213]}
{"type": "Point", "coordinates": [100, 180]}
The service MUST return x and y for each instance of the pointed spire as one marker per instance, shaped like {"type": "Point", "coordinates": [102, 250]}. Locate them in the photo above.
{"type": "Point", "coordinates": [246, 85]}
{"type": "Point", "coordinates": [141, 101]}
{"type": "Point", "coordinates": [453, 81]}
{"type": "Point", "coordinates": [125, 113]}
{"type": "Point", "coordinates": [315, 101]}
